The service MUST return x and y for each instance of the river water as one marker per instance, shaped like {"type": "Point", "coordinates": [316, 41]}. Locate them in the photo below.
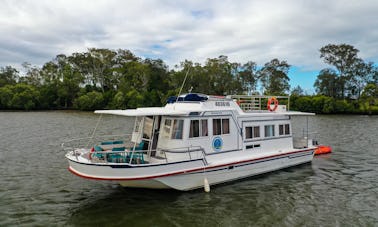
{"type": "Point", "coordinates": [36, 189]}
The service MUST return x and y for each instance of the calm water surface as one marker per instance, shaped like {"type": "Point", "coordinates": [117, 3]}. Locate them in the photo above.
{"type": "Point", "coordinates": [36, 189]}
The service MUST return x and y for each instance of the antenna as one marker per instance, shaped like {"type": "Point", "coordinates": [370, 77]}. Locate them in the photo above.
{"type": "Point", "coordinates": [187, 72]}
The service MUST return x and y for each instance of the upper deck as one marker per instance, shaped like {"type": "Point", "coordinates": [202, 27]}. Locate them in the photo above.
{"type": "Point", "coordinates": [198, 104]}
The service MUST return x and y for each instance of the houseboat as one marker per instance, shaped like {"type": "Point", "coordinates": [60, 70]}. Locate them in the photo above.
{"type": "Point", "coordinates": [195, 141]}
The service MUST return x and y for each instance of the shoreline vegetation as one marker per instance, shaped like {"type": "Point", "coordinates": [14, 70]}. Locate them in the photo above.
{"type": "Point", "coordinates": [117, 79]}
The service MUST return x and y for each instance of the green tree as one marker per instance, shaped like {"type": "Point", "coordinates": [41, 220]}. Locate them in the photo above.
{"type": "Point", "coordinates": [361, 73]}
{"type": "Point", "coordinates": [33, 75]}
{"type": "Point", "coordinates": [343, 57]}
{"type": "Point", "coordinates": [274, 77]}
{"type": "Point", "coordinates": [327, 83]}
{"type": "Point", "coordinates": [298, 91]}
{"type": "Point", "coordinates": [90, 101]}
{"type": "Point", "coordinates": [223, 76]}
{"type": "Point", "coordinates": [6, 95]}
{"type": "Point", "coordinates": [19, 96]}
{"type": "Point", "coordinates": [369, 97]}
{"type": "Point", "coordinates": [249, 79]}
{"type": "Point", "coordinates": [8, 76]}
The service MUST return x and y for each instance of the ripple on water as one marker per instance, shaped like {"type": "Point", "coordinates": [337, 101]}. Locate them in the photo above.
{"type": "Point", "coordinates": [339, 189]}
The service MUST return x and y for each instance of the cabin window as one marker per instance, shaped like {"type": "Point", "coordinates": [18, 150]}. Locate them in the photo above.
{"type": "Point", "coordinates": [204, 129]}
{"type": "Point", "coordinates": [221, 126]}
{"type": "Point", "coordinates": [178, 126]}
{"type": "Point", "coordinates": [252, 132]}
{"type": "Point", "coordinates": [225, 126]}
{"type": "Point", "coordinates": [194, 128]}
{"type": "Point", "coordinates": [284, 129]}
{"type": "Point", "coordinates": [198, 128]}
{"type": "Point", "coordinates": [138, 124]}
{"type": "Point", "coordinates": [167, 128]}
{"type": "Point", "coordinates": [147, 129]}
{"type": "Point", "coordinates": [269, 130]}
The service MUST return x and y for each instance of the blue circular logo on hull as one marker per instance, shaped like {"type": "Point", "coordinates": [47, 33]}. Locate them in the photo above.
{"type": "Point", "coordinates": [217, 144]}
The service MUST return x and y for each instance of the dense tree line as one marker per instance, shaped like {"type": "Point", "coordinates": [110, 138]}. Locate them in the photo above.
{"type": "Point", "coordinates": [103, 78]}
{"type": "Point", "coordinates": [350, 85]}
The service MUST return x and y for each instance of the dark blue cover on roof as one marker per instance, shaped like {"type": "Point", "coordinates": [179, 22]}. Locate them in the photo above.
{"type": "Point", "coordinates": [192, 97]}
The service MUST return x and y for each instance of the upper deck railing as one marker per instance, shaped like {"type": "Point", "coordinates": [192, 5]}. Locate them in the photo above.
{"type": "Point", "coordinates": [258, 102]}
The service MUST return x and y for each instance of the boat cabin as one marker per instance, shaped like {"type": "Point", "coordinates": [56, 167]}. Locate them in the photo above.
{"type": "Point", "coordinates": [202, 125]}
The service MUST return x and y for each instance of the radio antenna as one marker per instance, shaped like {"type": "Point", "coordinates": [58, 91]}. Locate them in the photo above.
{"type": "Point", "coordinates": [183, 83]}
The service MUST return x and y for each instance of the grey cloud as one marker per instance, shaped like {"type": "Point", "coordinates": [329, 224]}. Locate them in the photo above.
{"type": "Point", "coordinates": [36, 31]}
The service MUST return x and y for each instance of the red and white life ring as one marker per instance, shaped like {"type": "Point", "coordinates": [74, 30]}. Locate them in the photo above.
{"type": "Point", "coordinates": [274, 101]}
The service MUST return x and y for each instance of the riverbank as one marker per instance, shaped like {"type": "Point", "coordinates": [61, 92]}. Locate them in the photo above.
{"type": "Point", "coordinates": [314, 104]}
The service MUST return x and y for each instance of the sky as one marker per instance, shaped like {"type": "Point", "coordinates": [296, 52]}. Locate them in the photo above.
{"type": "Point", "coordinates": [35, 31]}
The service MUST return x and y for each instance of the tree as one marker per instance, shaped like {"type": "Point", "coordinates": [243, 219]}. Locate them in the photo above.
{"type": "Point", "coordinates": [327, 83]}
{"type": "Point", "coordinates": [274, 77]}
{"type": "Point", "coordinates": [33, 75]}
{"type": "Point", "coordinates": [8, 76]}
{"type": "Point", "coordinates": [19, 96]}
{"type": "Point", "coordinates": [298, 91]}
{"type": "Point", "coordinates": [248, 76]}
{"type": "Point", "coordinates": [343, 57]}
{"type": "Point", "coordinates": [361, 74]}
{"type": "Point", "coordinates": [90, 101]}
{"type": "Point", "coordinates": [369, 96]}
{"type": "Point", "coordinates": [223, 76]}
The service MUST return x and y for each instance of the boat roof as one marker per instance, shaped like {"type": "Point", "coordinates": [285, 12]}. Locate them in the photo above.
{"type": "Point", "coordinates": [149, 111]}
{"type": "Point", "coordinates": [160, 111]}
{"type": "Point", "coordinates": [194, 104]}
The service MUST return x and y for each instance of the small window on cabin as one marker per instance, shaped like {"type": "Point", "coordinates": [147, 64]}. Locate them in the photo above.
{"type": "Point", "coordinates": [269, 130]}
{"type": "Point", "coordinates": [198, 128]}
{"type": "Point", "coordinates": [204, 130]}
{"type": "Point", "coordinates": [217, 126]}
{"type": "Point", "coordinates": [281, 130]}
{"type": "Point", "coordinates": [284, 129]}
{"type": "Point", "coordinates": [256, 131]}
{"type": "Point", "coordinates": [225, 126]}
{"type": "Point", "coordinates": [147, 128]}
{"type": "Point", "coordinates": [178, 126]}
{"type": "Point", "coordinates": [194, 128]}
{"type": "Point", "coordinates": [167, 128]}
{"type": "Point", "coordinates": [221, 126]}
{"type": "Point", "coordinates": [138, 124]}
{"type": "Point", "coordinates": [252, 132]}
{"type": "Point", "coordinates": [287, 129]}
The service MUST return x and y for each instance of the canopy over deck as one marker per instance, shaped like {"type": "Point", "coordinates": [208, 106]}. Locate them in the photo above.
{"type": "Point", "coordinates": [150, 111]}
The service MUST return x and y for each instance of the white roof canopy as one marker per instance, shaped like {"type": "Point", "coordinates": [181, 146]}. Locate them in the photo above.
{"type": "Point", "coordinates": [153, 111]}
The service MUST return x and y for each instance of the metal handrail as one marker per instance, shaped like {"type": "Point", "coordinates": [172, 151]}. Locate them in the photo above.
{"type": "Point", "coordinates": [187, 150]}
{"type": "Point", "coordinates": [64, 144]}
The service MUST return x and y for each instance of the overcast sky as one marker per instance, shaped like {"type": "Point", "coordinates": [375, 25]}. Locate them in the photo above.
{"type": "Point", "coordinates": [36, 31]}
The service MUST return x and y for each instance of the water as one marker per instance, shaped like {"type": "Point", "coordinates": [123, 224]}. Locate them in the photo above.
{"type": "Point", "coordinates": [340, 189]}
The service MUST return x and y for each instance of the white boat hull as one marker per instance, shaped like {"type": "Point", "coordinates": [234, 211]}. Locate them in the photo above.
{"type": "Point", "coordinates": [188, 175]}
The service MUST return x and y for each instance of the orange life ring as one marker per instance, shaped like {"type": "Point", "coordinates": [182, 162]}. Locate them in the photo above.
{"type": "Point", "coordinates": [275, 102]}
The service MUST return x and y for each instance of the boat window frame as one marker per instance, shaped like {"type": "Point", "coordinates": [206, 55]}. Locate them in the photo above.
{"type": "Point", "coordinates": [180, 129]}
{"type": "Point", "coordinates": [202, 130]}
{"type": "Point", "coordinates": [148, 123]}
{"type": "Point", "coordinates": [222, 128]}
{"type": "Point", "coordinates": [271, 131]}
{"type": "Point", "coordinates": [167, 128]}
{"type": "Point", "coordinates": [254, 132]}
{"type": "Point", "coordinates": [284, 129]}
